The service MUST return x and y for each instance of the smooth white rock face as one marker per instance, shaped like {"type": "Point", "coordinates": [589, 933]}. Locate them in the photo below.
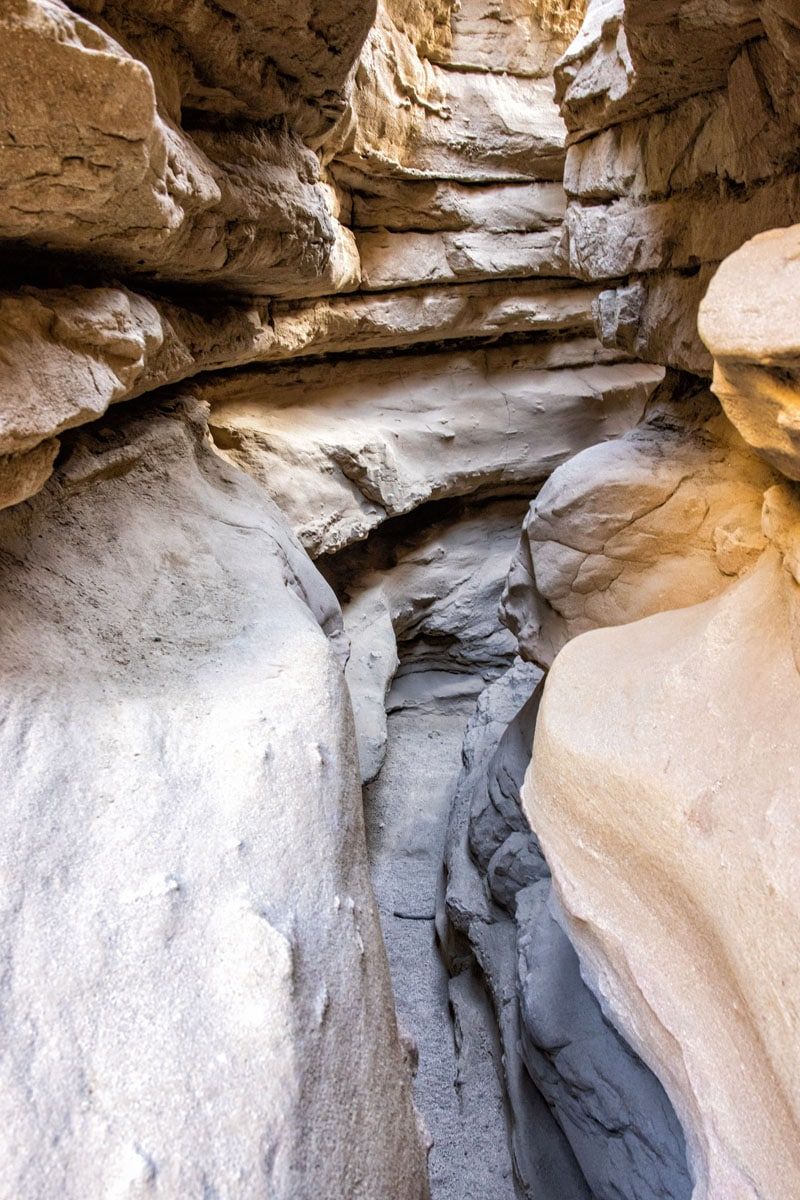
{"type": "Point", "coordinates": [664, 791]}
{"type": "Point", "coordinates": [341, 449]}
{"type": "Point", "coordinates": [196, 999]}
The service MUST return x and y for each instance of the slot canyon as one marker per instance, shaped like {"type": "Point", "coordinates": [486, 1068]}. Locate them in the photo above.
{"type": "Point", "coordinates": [400, 624]}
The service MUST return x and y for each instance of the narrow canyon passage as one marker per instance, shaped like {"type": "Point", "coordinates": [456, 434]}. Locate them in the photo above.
{"type": "Point", "coordinates": [519, 1078]}
{"type": "Point", "coordinates": [459, 1093]}
{"type": "Point", "coordinates": [399, 600]}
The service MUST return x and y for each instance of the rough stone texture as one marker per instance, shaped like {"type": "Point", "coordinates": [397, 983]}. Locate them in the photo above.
{"type": "Point", "coordinates": [340, 449]}
{"type": "Point", "coordinates": [665, 516]}
{"type": "Point", "coordinates": [439, 587]}
{"type": "Point", "coordinates": [396, 260]}
{"type": "Point", "coordinates": [132, 189]}
{"type": "Point", "coordinates": [435, 205]}
{"type": "Point", "coordinates": [613, 1110]}
{"type": "Point", "coordinates": [198, 168]}
{"type": "Point", "coordinates": [683, 127]}
{"type": "Point", "coordinates": [478, 938]}
{"type": "Point", "coordinates": [22, 475]}
{"type": "Point", "coordinates": [248, 60]}
{"type": "Point", "coordinates": [66, 354]}
{"type": "Point", "coordinates": [184, 189]}
{"type": "Point", "coordinates": [662, 787]}
{"type": "Point", "coordinates": [431, 595]}
{"type": "Point", "coordinates": [458, 1088]}
{"type": "Point", "coordinates": [222, 1021]}
{"type": "Point", "coordinates": [412, 118]}
{"type": "Point", "coordinates": [414, 316]}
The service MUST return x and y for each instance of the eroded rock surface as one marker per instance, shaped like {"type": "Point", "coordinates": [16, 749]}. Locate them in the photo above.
{"type": "Point", "coordinates": [755, 344]}
{"type": "Point", "coordinates": [661, 753]}
{"type": "Point", "coordinates": [188, 192]}
{"type": "Point", "coordinates": [134, 189]}
{"type": "Point", "coordinates": [342, 448]}
{"type": "Point", "coordinates": [683, 128]}
{"type": "Point", "coordinates": [665, 516]}
{"type": "Point", "coordinates": [686, 788]}
{"type": "Point", "coordinates": [425, 601]}
{"type": "Point", "coordinates": [216, 996]}
{"type": "Point", "coordinates": [410, 283]}
{"type": "Point", "coordinates": [557, 1045]}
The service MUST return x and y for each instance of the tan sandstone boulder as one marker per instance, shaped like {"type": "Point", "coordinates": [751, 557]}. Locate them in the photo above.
{"type": "Point", "coordinates": [664, 792]}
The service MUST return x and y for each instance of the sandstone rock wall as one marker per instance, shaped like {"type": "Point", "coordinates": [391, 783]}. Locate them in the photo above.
{"type": "Point", "coordinates": [191, 199]}
{"type": "Point", "coordinates": [661, 756]}
{"type": "Point", "coordinates": [373, 257]}
{"type": "Point", "coordinates": [682, 145]}
{"type": "Point", "coordinates": [196, 997]}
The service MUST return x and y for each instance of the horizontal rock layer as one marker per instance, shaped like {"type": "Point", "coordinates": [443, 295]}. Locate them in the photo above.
{"type": "Point", "coordinates": [134, 191]}
{"type": "Point", "coordinates": [683, 127]}
{"type": "Point", "coordinates": [340, 448]}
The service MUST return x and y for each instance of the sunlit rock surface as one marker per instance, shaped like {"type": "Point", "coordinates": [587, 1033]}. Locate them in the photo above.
{"type": "Point", "coordinates": [674, 848]}
{"type": "Point", "coordinates": [683, 127]}
{"type": "Point", "coordinates": [413, 277]}
{"type": "Point", "coordinates": [190, 1009]}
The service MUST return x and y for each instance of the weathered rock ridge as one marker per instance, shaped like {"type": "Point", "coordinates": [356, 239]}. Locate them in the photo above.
{"type": "Point", "coordinates": [188, 192]}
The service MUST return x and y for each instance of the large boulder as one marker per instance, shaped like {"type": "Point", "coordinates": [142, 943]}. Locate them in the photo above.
{"type": "Point", "coordinates": [663, 791]}
{"type": "Point", "coordinates": [755, 343]}
{"type": "Point", "coordinates": [665, 516]}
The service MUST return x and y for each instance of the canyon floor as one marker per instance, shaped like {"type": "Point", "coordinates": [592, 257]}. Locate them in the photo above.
{"type": "Point", "coordinates": [457, 1088]}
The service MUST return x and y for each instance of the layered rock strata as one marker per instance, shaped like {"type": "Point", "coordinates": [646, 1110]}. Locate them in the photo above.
{"type": "Point", "coordinates": [743, 643]}
{"type": "Point", "coordinates": [188, 193]}
{"type": "Point", "coordinates": [338, 238]}
{"type": "Point", "coordinates": [682, 145]}
{"type": "Point", "coordinates": [683, 128]}
{"type": "Point", "coordinates": [342, 447]}
{"type": "Point", "coordinates": [661, 786]}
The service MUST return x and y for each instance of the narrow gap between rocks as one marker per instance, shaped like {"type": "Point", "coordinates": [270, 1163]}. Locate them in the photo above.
{"type": "Point", "coordinates": [524, 1088]}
